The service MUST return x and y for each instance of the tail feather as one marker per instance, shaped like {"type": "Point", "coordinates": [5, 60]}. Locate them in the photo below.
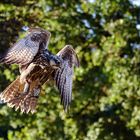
{"type": "Point", "coordinates": [11, 91]}
{"type": "Point", "coordinates": [29, 104]}
{"type": "Point", "coordinates": [14, 97]}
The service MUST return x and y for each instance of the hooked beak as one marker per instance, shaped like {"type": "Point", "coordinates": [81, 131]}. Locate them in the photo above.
{"type": "Point", "coordinates": [55, 64]}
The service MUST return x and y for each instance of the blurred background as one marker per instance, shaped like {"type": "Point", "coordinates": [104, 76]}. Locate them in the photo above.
{"type": "Point", "coordinates": [106, 89]}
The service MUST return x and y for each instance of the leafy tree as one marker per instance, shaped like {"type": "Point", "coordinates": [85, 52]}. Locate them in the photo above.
{"type": "Point", "coordinates": [106, 88]}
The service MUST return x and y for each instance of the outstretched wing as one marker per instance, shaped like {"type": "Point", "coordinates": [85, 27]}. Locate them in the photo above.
{"type": "Point", "coordinates": [24, 51]}
{"type": "Point", "coordinates": [63, 76]}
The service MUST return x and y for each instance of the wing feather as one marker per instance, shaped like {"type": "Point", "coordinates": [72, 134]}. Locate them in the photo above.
{"type": "Point", "coordinates": [63, 76]}
{"type": "Point", "coordinates": [22, 52]}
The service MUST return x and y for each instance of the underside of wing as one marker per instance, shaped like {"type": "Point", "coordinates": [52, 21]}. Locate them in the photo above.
{"type": "Point", "coordinates": [63, 76]}
{"type": "Point", "coordinates": [22, 52]}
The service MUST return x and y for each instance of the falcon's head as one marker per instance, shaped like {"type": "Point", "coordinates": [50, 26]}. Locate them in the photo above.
{"type": "Point", "coordinates": [52, 60]}
{"type": "Point", "coordinates": [55, 61]}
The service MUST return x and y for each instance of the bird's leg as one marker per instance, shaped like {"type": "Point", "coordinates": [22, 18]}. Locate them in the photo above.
{"type": "Point", "coordinates": [26, 72]}
{"type": "Point", "coordinates": [22, 96]}
{"type": "Point", "coordinates": [26, 87]}
{"type": "Point", "coordinates": [24, 77]}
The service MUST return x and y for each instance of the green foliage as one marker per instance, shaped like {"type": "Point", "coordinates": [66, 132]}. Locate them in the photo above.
{"type": "Point", "coordinates": [106, 90]}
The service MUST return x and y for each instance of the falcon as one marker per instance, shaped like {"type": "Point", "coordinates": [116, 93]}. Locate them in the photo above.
{"type": "Point", "coordinates": [37, 66]}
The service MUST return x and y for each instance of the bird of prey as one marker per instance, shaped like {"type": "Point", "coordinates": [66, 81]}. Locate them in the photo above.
{"type": "Point", "coordinates": [37, 66]}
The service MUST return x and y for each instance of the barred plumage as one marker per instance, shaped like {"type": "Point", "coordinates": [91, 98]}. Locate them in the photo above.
{"type": "Point", "coordinates": [24, 51]}
{"type": "Point", "coordinates": [37, 66]}
{"type": "Point", "coordinates": [63, 76]}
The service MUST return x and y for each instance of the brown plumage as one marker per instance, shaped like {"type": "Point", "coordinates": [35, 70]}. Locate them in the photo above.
{"type": "Point", "coordinates": [24, 51]}
{"type": "Point", "coordinates": [40, 66]}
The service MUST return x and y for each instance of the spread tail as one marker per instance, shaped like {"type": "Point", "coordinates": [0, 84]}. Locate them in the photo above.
{"type": "Point", "coordinates": [14, 97]}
